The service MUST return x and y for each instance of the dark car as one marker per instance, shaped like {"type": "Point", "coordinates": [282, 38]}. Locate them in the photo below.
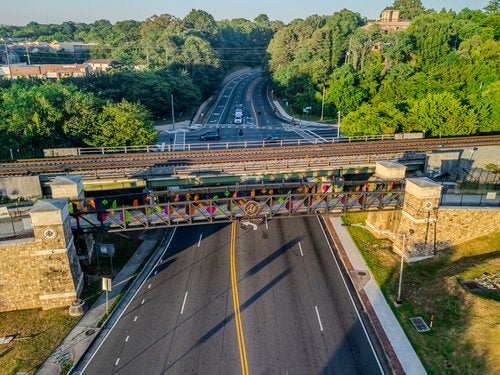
{"type": "Point", "coordinates": [210, 136]}
{"type": "Point", "coordinates": [272, 139]}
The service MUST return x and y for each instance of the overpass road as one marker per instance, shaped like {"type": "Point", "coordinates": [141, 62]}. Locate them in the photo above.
{"type": "Point", "coordinates": [288, 310]}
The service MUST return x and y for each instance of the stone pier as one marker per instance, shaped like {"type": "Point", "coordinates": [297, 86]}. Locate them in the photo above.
{"type": "Point", "coordinates": [72, 187]}
{"type": "Point", "coordinates": [41, 271]}
{"type": "Point", "coordinates": [427, 227]}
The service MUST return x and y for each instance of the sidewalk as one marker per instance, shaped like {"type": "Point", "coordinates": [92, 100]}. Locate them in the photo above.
{"type": "Point", "coordinates": [80, 337]}
{"type": "Point", "coordinates": [287, 117]}
{"type": "Point", "coordinates": [169, 128]}
{"type": "Point", "coordinates": [392, 336]}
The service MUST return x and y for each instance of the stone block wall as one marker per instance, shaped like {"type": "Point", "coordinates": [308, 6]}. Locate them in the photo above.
{"type": "Point", "coordinates": [444, 227]}
{"type": "Point", "coordinates": [42, 271]}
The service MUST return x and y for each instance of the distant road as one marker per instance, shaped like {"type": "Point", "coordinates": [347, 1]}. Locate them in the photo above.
{"type": "Point", "coordinates": [296, 314]}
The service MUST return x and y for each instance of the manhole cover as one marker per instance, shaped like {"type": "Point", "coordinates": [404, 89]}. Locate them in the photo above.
{"type": "Point", "coordinates": [89, 332]}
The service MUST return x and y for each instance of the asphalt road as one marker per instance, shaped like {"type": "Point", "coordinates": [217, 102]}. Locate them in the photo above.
{"type": "Point", "coordinates": [296, 313]}
{"type": "Point", "coordinates": [248, 89]}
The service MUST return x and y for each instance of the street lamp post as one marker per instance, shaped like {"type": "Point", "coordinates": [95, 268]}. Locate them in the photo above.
{"type": "Point", "coordinates": [338, 126]}
{"type": "Point", "coordinates": [323, 105]}
{"type": "Point", "coordinates": [403, 250]}
{"type": "Point", "coordinates": [173, 114]}
{"type": "Point", "coordinates": [398, 299]}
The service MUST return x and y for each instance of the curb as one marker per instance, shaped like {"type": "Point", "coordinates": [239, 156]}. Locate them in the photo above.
{"type": "Point", "coordinates": [389, 352]}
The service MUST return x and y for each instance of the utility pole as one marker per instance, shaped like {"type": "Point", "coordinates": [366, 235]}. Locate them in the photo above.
{"type": "Point", "coordinates": [173, 114]}
{"type": "Point", "coordinates": [8, 58]}
{"type": "Point", "coordinates": [323, 104]}
{"type": "Point", "coordinates": [398, 299]}
{"type": "Point", "coordinates": [147, 56]}
{"type": "Point", "coordinates": [338, 127]}
{"type": "Point", "coordinates": [27, 51]}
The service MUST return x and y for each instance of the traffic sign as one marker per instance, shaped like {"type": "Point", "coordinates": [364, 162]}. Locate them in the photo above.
{"type": "Point", "coordinates": [106, 284]}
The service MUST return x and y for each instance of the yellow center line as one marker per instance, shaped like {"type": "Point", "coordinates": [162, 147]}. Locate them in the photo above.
{"type": "Point", "coordinates": [236, 302]}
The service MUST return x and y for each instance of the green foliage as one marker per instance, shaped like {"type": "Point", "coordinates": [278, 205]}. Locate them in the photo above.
{"type": "Point", "coordinates": [374, 119]}
{"type": "Point", "coordinates": [124, 124]}
{"type": "Point", "coordinates": [408, 9]}
{"type": "Point", "coordinates": [151, 88]}
{"type": "Point", "coordinates": [440, 75]}
{"type": "Point", "coordinates": [441, 114]}
{"type": "Point", "coordinates": [36, 115]}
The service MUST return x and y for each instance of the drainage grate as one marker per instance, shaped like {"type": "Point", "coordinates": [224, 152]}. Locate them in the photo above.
{"type": "Point", "coordinates": [419, 324]}
{"type": "Point", "coordinates": [470, 285]}
{"type": "Point", "coordinates": [89, 332]}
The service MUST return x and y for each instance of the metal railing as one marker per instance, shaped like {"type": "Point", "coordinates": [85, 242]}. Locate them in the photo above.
{"type": "Point", "coordinates": [452, 197]}
{"type": "Point", "coordinates": [199, 146]}
{"type": "Point", "coordinates": [216, 210]}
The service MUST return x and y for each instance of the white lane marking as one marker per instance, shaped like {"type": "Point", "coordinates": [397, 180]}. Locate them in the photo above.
{"type": "Point", "coordinates": [266, 224]}
{"type": "Point", "coordinates": [142, 302]}
{"type": "Point", "coordinates": [316, 136]}
{"type": "Point", "coordinates": [319, 319]}
{"type": "Point", "coordinates": [126, 339]}
{"type": "Point", "coordinates": [184, 302]}
{"type": "Point", "coordinates": [199, 241]}
{"type": "Point", "coordinates": [117, 361]}
{"type": "Point", "coordinates": [230, 95]}
{"type": "Point", "coordinates": [149, 286]}
{"type": "Point", "coordinates": [156, 272]}
{"type": "Point", "coordinates": [247, 223]}
{"type": "Point", "coordinates": [135, 319]}
{"type": "Point", "coordinates": [126, 307]}
{"type": "Point", "coordinates": [300, 248]}
{"type": "Point", "coordinates": [350, 296]}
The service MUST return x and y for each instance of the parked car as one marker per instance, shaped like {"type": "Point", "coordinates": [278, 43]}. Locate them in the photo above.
{"type": "Point", "coordinates": [210, 136]}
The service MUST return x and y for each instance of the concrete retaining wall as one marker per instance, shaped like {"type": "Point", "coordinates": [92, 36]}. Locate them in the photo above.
{"type": "Point", "coordinates": [26, 187]}
{"type": "Point", "coordinates": [51, 152]}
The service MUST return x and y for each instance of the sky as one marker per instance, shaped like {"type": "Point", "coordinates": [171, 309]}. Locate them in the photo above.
{"type": "Point", "coordinates": [20, 12]}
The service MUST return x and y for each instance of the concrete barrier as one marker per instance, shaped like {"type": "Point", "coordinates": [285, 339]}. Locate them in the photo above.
{"type": "Point", "coordinates": [51, 152]}
{"type": "Point", "coordinates": [25, 187]}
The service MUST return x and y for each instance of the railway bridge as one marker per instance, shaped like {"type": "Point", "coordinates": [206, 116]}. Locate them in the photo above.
{"type": "Point", "coordinates": [214, 164]}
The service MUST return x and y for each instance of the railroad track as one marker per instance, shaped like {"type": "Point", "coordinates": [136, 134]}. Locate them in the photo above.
{"type": "Point", "coordinates": [145, 160]}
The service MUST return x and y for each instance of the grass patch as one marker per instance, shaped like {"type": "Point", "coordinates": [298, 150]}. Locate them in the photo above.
{"type": "Point", "coordinates": [466, 333]}
{"type": "Point", "coordinates": [125, 247]}
{"type": "Point", "coordinates": [39, 333]}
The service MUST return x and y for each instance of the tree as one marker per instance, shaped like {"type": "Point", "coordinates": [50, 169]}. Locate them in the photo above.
{"type": "Point", "coordinates": [492, 7]}
{"type": "Point", "coordinates": [344, 92]}
{"type": "Point", "coordinates": [370, 119]}
{"type": "Point", "coordinates": [202, 64]}
{"type": "Point", "coordinates": [49, 114]}
{"type": "Point", "coordinates": [124, 124]}
{"type": "Point", "coordinates": [408, 9]}
{"type": "Point", "coordinates": [441, 114]}
{"type": "Point", "coordinates": [202, 24]}
{"type": "Point", "coordinates": [262, 20]}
